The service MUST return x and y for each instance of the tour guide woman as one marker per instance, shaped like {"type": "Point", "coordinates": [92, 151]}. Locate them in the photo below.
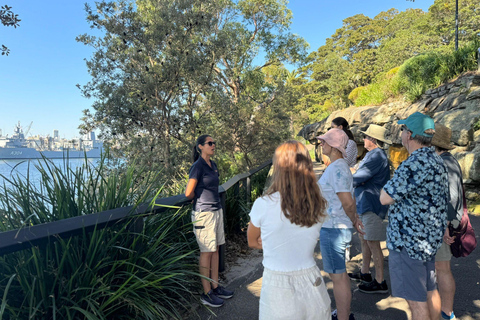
{"type": "Point", "coordinates": [207, 217]}
{"type": "Point", "coordinates": [285, 222]}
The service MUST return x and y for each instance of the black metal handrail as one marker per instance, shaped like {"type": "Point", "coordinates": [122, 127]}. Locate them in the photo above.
{"type": "Point", "coordinates": [27, 237]}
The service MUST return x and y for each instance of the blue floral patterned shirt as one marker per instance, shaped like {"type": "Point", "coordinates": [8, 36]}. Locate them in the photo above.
{"type": "Point", "coordinates": [417, 219]}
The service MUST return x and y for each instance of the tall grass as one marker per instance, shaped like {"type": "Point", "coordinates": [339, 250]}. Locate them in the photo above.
{"type": "Point", "coordinates": [111, 273]}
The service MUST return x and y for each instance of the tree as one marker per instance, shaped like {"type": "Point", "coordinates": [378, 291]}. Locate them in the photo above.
{"type": "Point", "coordinates": [149, 72]}
{"type": "Point", "coordinates": [251, 94]}
{"type": "Point", "coordinates": [167, 71]}
{"type": "Point", "coordinates": [443, 20]}
{"type": "Point", "coordinates": [8, 19]}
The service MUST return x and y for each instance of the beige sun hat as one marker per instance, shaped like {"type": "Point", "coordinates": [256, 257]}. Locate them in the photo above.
{"type": "Point", "coordinates": [377, 132]}
{"type": "Point", "coordinates": [442, 137]}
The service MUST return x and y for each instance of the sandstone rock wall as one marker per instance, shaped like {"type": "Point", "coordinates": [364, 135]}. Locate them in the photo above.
{"type": "Point", "coordinates": [455, 105]}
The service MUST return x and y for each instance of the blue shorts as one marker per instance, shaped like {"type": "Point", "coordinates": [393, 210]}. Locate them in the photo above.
{"type": "Point", "coordinates": [411, 279]}
{"type": "Point", "coordinates": [333, 243]}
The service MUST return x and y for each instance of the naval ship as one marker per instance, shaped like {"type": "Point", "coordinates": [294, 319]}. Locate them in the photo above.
{"type": "Point", "coordinates": [18, 147]}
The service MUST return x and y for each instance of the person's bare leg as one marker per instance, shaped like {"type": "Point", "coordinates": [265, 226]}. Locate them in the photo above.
{"type": "Point", "coordinates": [205, 261]}
{"type": "Point", "coordinates": [366, 255]}
{"type": "Point", "coordinates": [377, 254]}
{"type": "Point", "coordinates": [214, 268]}
{"type": "Point", "coordinates": [342, 293]}
{"type": "Point", "coordinates": [434, 304]}
{"type": "Point", "coordinates": [446, 285]}
{"type": "Point", "coordinates": [419, 310]}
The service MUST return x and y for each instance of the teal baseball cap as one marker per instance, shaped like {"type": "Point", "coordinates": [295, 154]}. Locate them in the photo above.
{"type": "Point", "coordinates": [418, 123]}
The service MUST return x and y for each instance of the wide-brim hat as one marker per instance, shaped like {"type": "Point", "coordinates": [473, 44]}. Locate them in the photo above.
{"type": "Point", "coordinates": [337, 139]}
{"type": "Point", "coordinates": [442, 137]}
{"type": "Point", "coordinates": [377, 132]}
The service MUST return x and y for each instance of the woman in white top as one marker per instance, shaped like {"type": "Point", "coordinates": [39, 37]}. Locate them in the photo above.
{"type": "Point", "coordinates": [285, 223]}
{"type": "Point", "coordinates": [351, 147]}
{"type": "Point", "coordinates": [336, 184]}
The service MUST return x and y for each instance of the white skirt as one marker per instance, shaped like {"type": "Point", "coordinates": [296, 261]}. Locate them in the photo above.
{"type": "Point", "coordinates": [296, 295]}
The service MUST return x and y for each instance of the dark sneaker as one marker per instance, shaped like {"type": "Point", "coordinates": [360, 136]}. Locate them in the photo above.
{"type": "Point", "coordinates": [334, 315]}
{"type": "Point", "coordinates": [222, 292]}
{"type": "Point", "coordinates": [358, 276]}
{"type": "Point", "coordinates": [373, 287]}
{"type": "Point", "coordinates": [210, 299]}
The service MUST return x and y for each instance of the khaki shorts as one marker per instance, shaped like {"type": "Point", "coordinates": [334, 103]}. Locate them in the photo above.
{"type": "Point", "coordinates": [444, 253]}
{"type": "Point", "coordinates": [375, 227]}
{"type": "Point", "coordinates": [208, 229]}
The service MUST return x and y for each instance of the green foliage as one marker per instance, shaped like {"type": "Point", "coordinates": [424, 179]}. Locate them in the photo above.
{"type": "Point", "coordinates": [113, 273]}
{"type": "Point", "coordinates": [238, 206]}
{"type": "Point", "coordinates": [361, 52]}
{"type": "Point", "coordinates": [9, 19]}
{"type": "Point", "coordinates": [442, 14]}
{"type": "Point", "coordinates": [353, 96]}
{"type": "Point", "coordinates": [373, 94]}
{"type": "Point", "coordinates": [418, 74]}
{"type": "Point", "coordinates": [432, 69]}
{"type": "Point", "coordinates": [166, 72]}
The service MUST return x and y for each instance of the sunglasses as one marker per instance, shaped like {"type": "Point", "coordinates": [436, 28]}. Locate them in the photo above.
{"type": "Point", "coordinates": [210, 143]}
{"type": "Point", "coordinates": [367, 137]}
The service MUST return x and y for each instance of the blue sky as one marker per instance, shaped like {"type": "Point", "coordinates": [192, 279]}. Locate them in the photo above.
{"type": "Point", "coordinates": [38, 78]}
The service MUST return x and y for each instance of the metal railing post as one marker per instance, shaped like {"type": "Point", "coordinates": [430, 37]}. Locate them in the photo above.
{"type": "Point", "coordinates": [478, 58]}
{"type": "Point", "coordinates": [249, 191]}
{"type": "Point", "coordinates": [221, 249]}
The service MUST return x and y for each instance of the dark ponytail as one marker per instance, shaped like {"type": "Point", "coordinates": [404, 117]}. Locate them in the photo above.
{"type": "Point", "coordinates": [196, 150]}
{"type": "Point", "coordinates": [340, 121]}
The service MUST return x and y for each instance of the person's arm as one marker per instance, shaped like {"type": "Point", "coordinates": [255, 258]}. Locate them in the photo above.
{"type": "Point", "coordinates": [348, 204]}
{"type": "Point", "coordinates": [254, 236]}
{"type": "Point", "coordinates": [385, 199]}
{"type": "Point", "coordinates": [402, 183]}
{"type": "Point", "coordinates": [190, 191]}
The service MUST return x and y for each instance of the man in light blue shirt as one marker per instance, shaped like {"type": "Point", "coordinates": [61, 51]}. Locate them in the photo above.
{"type": "Point", "coordinates": [372, 174]}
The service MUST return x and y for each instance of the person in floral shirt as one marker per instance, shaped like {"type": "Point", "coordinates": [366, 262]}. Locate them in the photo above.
{"type": "Point", "coordinates": [418, 199]}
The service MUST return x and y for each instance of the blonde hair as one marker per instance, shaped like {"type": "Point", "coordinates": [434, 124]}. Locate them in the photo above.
{"type": "Point", "coordinates": [293, 177]}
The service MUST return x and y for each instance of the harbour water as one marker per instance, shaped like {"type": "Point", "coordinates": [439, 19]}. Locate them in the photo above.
{"type": "Point", "coordinates": [22, 168]}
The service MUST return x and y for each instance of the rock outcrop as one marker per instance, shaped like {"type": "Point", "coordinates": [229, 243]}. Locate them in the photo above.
{"type": "Point", "coordinates": [455, 105]}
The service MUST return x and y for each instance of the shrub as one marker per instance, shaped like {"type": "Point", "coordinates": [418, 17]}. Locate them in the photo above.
{"type": "Point", "coordinates": [112, 273]}
{"type": "Point", "coordinates": [353, 96]}
{"type": "Point", "coordinates": [373, 94]}
{"type": "Point", "coordinates": [431, 69]}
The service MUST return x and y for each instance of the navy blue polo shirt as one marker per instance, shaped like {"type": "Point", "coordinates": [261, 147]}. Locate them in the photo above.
{"type": "Point", "coordinates": [206, 191]}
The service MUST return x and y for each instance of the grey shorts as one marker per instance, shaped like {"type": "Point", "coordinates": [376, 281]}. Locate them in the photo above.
{"type": "Point", "coordinates": [208, 229]}
{"type": "Point", "coordinates": [375, 227]}
{"type": "Point", "coordinates": [444, 253]}
{"type": "Point", "coordinates": [411, 279]}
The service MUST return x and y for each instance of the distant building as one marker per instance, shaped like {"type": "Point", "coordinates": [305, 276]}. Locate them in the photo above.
{"type": "Point", "coordinates": [55, 134]}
